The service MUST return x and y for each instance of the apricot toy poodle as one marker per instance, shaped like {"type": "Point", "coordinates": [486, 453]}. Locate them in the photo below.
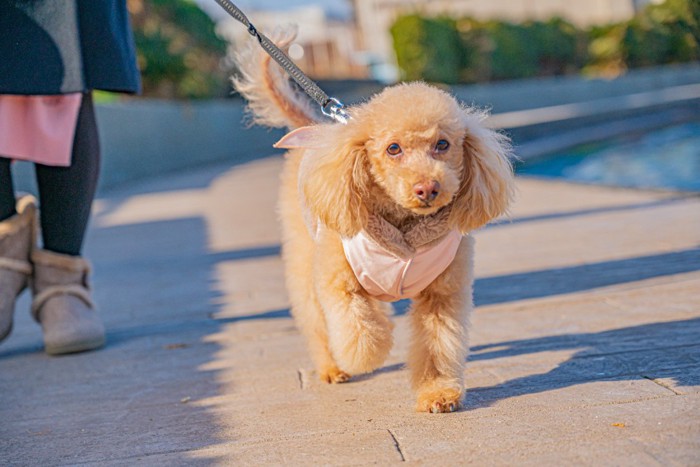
{"type": "Point", "coordinates": [380, 209]}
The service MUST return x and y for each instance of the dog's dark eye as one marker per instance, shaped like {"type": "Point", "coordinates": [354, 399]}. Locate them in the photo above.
{"type": "Point", "coordinates": [442, 145]}
{"type": "Point", "coordinates": [393, 149]}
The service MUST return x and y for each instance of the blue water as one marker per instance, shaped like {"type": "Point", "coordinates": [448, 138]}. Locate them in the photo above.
{"type": "Point", "coordinates": [667, 158]}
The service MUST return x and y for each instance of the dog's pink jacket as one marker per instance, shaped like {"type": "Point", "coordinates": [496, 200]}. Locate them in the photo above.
{"type": "Point", "coordinates": [383, 274]}
{"type": "Point", "coordinates": [389, 277]}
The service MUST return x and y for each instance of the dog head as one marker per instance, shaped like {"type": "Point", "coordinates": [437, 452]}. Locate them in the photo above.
{"type": "Point", "coordinates": [411, 148]}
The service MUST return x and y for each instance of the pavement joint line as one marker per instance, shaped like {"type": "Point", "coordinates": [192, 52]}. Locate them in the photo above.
{"type": "Point", "coordinates": [301, 375]}
{"type": "Point", "coordinates": [660, 383]}
{"type": "Point", "coordinates": [397, 445]}
{"type": "Point", "coordinates": [624, 402]}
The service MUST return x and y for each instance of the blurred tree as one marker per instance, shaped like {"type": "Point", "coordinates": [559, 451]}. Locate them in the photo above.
{"type": "Point", "coordinates": [559, 46]}
{"type": "Point", "coordinates": [678, 23]}
{"type": "Point", "coordinates": [408, 35]}
{"type": "Point", "coordinates": [659, 34]}
{"type": "Point", "coordinates": [647, 43]}
{"type": "Point", "coordinates": [513, 54]}
{"type": "Point", "coordinates": [605, 51]}
{"type": "Point", "coordinates": [495, 50]}
{"type": "Point", "coordinates": [477, 47]}
{"type": "Point", "coordinates": [179, 53]}
{"type": "Point", "coordinates": [428, 48]}
{"type": "Point", "coordinates": [684, 15]}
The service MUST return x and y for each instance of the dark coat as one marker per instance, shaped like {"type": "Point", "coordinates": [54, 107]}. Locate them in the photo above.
{"type": "Point", "coordinates": [64, 46]}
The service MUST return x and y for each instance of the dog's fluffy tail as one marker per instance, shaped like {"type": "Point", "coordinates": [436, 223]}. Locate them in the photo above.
{"type": "Point", "coordinates": [272, 99]}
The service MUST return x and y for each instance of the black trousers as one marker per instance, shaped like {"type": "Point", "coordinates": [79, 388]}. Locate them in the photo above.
{"type": "Point", "coordinates": [65, 193]}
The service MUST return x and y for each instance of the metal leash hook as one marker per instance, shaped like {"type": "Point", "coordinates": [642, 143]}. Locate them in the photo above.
{"type": "Point", "coordinates": [330, 106]}
{"type": "Point", "coordinates": [335, 110]}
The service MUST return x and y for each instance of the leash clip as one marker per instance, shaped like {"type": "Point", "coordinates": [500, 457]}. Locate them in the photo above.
{"type": "Point", "coordinates": [334, 109]}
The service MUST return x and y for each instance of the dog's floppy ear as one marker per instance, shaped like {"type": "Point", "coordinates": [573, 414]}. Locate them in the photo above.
{"type": "Point", "coordinates": [488, 184]}
{"type": "Point", "coordinates": [334, 180]}
{"type": "Point", "coordinates": [303, 137]}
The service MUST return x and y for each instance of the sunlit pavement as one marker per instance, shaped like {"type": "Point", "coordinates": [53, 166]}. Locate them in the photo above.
{"type": "Point", "coordinates": [584, 344]}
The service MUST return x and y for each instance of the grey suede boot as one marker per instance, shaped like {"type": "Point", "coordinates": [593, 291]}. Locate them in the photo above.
{"type": "Point", "coordinates": [62, 303]}
{"type": "Point", "coordinates": [17, 236]}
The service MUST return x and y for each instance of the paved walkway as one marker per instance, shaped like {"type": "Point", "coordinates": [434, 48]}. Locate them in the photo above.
{"type": "Point", "coordinates": [584, 346]}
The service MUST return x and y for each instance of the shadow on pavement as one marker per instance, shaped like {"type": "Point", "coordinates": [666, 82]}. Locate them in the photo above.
{"type": "Point", "coordinates": [559, 281]}
{"type": "Point", "coordinates": [141, 396]}
{"type": "Point", "coordinates": [667, 350]}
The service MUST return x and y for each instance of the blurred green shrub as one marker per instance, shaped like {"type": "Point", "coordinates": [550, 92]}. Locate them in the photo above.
{"type": "Point", "coordinates": [605, 50]}
{"type": "Point", "coordinates": [467, 50]}
{"type": "Point", "coordinates": [512, 54]}
{"type": "Point", "coordinates": [428, 48]}
{"type": "Point", "coordinates": [178, 50]}
{"type": "Point", "coordinates": [534, 48]}
{"type": "Point", "coordinates": [665, 33]}
{"type": "Point", "coordinates": [660, 34]}
{"type": "Point", "coordinates": [495, 50]}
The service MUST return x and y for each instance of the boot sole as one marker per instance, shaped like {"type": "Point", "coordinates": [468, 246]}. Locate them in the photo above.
{"type": "Point", "coordinates": [75, 347]}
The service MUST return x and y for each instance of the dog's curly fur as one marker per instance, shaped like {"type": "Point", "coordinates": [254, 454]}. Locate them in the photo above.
{"type": "Point", "coordinates": [343, 174]}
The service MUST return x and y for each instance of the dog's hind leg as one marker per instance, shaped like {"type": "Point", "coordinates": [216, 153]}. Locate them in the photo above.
{"type": "Point", "coordinates": [310, 320]}
{"type": "Point", "coordinates": [312, 323]}
{"type": "Point", "coordinates": [298, 254]}
{"type": "Point", "coordinates": [314, 329]}
{"type": "Point", "coordinates": [359, 328]}
{"type": "Point", "coordinates": [308, 314]}
{"type": "Point", "coordinates": [439, 318]}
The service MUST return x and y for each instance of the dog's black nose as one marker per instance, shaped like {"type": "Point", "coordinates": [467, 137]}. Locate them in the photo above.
{"type": "Point", "coordinates": [427, 191]}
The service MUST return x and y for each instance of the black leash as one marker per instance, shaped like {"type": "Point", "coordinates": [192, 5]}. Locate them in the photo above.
{"type": "Point", "coordinates": [330, 106]}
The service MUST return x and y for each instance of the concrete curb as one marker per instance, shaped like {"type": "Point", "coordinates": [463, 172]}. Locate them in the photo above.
{"type": "Point", "coordinates": [509, 96]}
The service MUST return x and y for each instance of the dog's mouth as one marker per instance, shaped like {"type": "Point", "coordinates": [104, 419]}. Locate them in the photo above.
{"type": "Point", "coordinates": [426, 208]}
{"type": "Point", "coordinates": [427, 194]}
{"type": "Point", "coordinates": [412, 201]}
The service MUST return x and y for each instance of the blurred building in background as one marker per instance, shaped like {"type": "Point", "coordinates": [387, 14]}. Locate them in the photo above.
{"type": "Point", "coordinates": [351, 39]}
{"type": "Point", "coordinates": [326, 43]}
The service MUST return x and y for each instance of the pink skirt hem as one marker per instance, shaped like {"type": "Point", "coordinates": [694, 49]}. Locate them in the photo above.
{"type": "Point", "coordinates": [39, 129]}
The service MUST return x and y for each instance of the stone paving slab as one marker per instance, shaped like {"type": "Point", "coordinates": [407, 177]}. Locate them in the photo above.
{"type": "Point", "coordinates": [584, 344]}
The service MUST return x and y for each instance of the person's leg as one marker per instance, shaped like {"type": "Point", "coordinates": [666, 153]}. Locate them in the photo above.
{"type": "Point", "coordinates": [66, 193]}
{"type": "Point", "coordinates": [17, 226]}
{"type": "Point", "coordinates": [7, 192]}
{"type": "Point", "coordinates": [62, 302]}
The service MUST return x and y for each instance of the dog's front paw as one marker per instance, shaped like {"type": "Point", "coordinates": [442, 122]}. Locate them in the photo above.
{"type": "Point", "coordinates": [360, 337]}
{"type": "Point", "coordinates": [440, 400]}
{"type": "Point", "coordinates": [334, 376]}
